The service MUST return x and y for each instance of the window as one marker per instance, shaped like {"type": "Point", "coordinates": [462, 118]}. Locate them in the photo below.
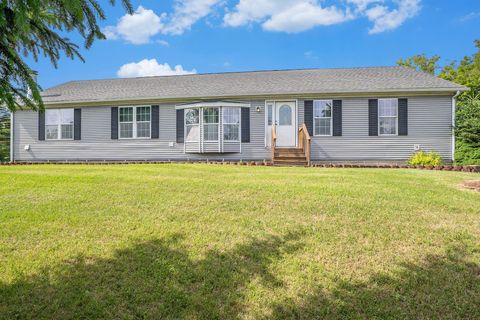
{"type": "Point", "coordinates": [192, 125]}
{"type": "Point", "coordinates": [269, 113]}
{"type": "Point", "coordinates": [134, 122]}
{"type": "Point", "coordinates": [285, 115]}
{"type": "Point", "coordinates": [231, 124]}
{"type": "Point", "coordinates": [387, 116]}
{"type": "Point", "coordinates": [322, 115]}
{"type": "Point", "coordinates": [59, 124]}
{"type": "Point", "coordinates": [210, 124]}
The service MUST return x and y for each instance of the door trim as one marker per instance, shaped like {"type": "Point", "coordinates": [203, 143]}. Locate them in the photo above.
{"type": "Point", "coordinates": [266, 118]}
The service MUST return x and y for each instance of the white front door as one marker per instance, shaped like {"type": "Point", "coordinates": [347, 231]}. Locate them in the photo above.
{"type": "Point", "coordinates": [283, 115]}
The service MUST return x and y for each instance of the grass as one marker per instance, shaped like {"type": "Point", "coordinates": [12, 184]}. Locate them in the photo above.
{"type": "Point", "coordinates": [218, 242]}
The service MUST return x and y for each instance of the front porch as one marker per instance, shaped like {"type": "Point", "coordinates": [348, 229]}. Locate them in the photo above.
{"type": "Point", "coordinates": [292, 156]}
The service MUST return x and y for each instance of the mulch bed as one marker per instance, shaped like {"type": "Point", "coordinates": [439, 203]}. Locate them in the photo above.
{"type": "Point", "coordinates": [473, 168]}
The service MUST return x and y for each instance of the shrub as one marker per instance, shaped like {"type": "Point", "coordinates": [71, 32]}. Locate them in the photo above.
{"type": "Point", "coordinates": [422, 158]}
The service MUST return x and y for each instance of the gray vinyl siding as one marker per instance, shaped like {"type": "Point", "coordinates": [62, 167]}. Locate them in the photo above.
{"type": "Point", "coordinates": [96, 142]}
{"type": "Point", "coordinates": [429, 125]}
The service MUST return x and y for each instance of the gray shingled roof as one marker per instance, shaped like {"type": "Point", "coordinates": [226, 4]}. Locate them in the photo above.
{"type": "Point", "coordinates": [258, 83]}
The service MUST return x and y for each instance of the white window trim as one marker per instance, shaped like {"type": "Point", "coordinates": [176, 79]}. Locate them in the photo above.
{"type": "Point", "coordinates": [59, 128]}
{"type": "Point", "coordinates": [396, 118]}
{"type": "Point", "coordinates": [185, 125]}
{"type": "Point", "coordinates": [269, 127]}
{"type": "Point", "coordinates": [212, 124]}
{"type": "Point", "coordinates": [134, 122]}
{"type": "Point", "coordinates": [331, 119]}
{"type": "Point", "coordinates": [221, 141]}
{"type": "Point", "coordinates": [229, 123]}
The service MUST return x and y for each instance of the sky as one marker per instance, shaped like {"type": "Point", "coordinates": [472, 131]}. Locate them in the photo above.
{"type": "Point", "coordinates": [169, 37]}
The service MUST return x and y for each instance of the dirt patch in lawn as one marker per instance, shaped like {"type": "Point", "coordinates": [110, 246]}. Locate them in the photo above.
{"type": "Point", "coordinates": [472, 184]}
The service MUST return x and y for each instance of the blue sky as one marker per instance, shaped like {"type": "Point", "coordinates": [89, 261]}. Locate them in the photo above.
{"type": "Point", "coordinates": [241, 35]}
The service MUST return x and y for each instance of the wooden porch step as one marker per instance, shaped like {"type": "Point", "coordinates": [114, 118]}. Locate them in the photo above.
{"type": "Point", "coordinates": [289, 162]}
{"type": "Point", "coordinates": [290, 157]}
{"type": "Point", "coordinates": [290, 151]}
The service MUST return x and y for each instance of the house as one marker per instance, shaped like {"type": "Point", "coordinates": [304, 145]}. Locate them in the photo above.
{"type": "Point", "coordinates": [359, 114]}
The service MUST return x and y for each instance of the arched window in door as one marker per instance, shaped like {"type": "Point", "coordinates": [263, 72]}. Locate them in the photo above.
{"type": "Point", "coordinates": [285, 115]}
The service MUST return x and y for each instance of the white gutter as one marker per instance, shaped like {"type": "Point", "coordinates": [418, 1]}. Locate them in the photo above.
{"type": "Point", "coordinates": [11, 136]}
{"type": "Point", "coordinates": [454, 108]}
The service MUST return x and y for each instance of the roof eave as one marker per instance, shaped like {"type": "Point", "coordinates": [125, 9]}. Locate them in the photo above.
{"type": "Point", "coordinates": [349, 93]}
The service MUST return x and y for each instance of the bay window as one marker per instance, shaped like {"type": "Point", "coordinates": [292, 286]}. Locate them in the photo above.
{"type": "Point", "coordinates": [134, 122]}
{"type": "Point", "coordinates": [211, 126]}
{"type": "Point", "coordinates": [387, 116]}
{"type": "Point", "coordinates": [59, 124]}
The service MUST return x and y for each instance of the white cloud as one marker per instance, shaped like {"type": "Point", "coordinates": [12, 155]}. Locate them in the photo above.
{"type": "Point", "coordinates": [471, 16]}
{"type": "Point", "coordinates": [289, 16]}
{"type": "Point", "coordinates": [163, 43]}
{"type": "Point", "coordinates": [300, 15]}
{"type": "Point", "coordinates": [136, 28]}
{"type": "Point", "coordinates": [186, 13]}
{"type": "Point", "coordinates": [143, 24]}
{"type": "Point", "coordinates": [385, 19]}
{"type": "Point", "coordinates": [147, 68]}
{"type": "Point", "coordinates": [304, 16]}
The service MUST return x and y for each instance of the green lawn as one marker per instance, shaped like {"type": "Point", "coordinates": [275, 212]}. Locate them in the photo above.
{"type": "Point", "coordinates": [208, 241]}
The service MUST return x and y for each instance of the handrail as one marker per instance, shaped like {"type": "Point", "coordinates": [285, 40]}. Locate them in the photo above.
{"type": "Point", "coordinates": [304, 141]}
{"type": "Point", "coordinates": [274, 142]}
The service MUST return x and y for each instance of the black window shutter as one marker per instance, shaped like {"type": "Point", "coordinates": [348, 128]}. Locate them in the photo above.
{"type": "Point", "coordinates": [245, 124]}
{"type": "Point", "coordinates": [308, 115]}
{"type": "Point", "coordinates": [155, 122]}
{"type": "Point", "coordinates": [402, 117]}
{"type": "Point", "coordinates": [337, 117]}
{"type": "Point", "coordinates": [373, 117]}
{"type": "Point", "coordinates": [180, 126]}
{"type": "Point", "coordinates": [77, 124]}
{"type": "Point", "coordinates": [41, 125]}
{"type": "Point", "coordinates": [114, 122]}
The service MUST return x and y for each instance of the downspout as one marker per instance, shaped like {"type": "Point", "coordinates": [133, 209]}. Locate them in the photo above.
{"type": "Point", "coordinates": [454, 108]}
{"type": "Point", "coordinates": [11, 136]}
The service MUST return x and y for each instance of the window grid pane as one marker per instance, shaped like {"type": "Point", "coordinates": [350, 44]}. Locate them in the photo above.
{"type": "Point", "coordinates": [210, 132]}
{"type": "Point", "coordinates": [143, 129]}
{"type": "Point", "coordinates": [388, 125]}
{"type": "Point", "coordinates": [67, 131]}
{"type": "Point", "coordinates": [143, 113]}
{"type": "Point", "coordinates": [387, 107]}
{"type": "Point", "coordinates": [126, 114]}
{"type": "Point", "coordinates": [210, 115]}
{"type": "Point", "coordinates": [231, 115]}
{"type": "Point", "coordinates": [126, 130]}
{"type": "Point", "coordinates": [51, 132]}
{"type": "Point", "coordinates": [231, 132]}
{"type": "Point", "coordinates": [322, 108]}
{"type": "Point", "coordinates": [66, 116]}
{"type": "Point", "coordinates": [323, 126]}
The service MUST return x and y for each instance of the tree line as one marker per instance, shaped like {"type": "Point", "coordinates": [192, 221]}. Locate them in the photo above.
{"type": "Point", "coordinates": [467, 125]}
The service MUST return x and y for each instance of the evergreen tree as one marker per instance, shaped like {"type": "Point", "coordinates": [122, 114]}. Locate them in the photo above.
{"type": "Point", "coordinates": [33, 27]}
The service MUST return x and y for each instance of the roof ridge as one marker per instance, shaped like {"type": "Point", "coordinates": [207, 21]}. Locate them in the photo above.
{"type": "Point", "coordinates": [229, 72]}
